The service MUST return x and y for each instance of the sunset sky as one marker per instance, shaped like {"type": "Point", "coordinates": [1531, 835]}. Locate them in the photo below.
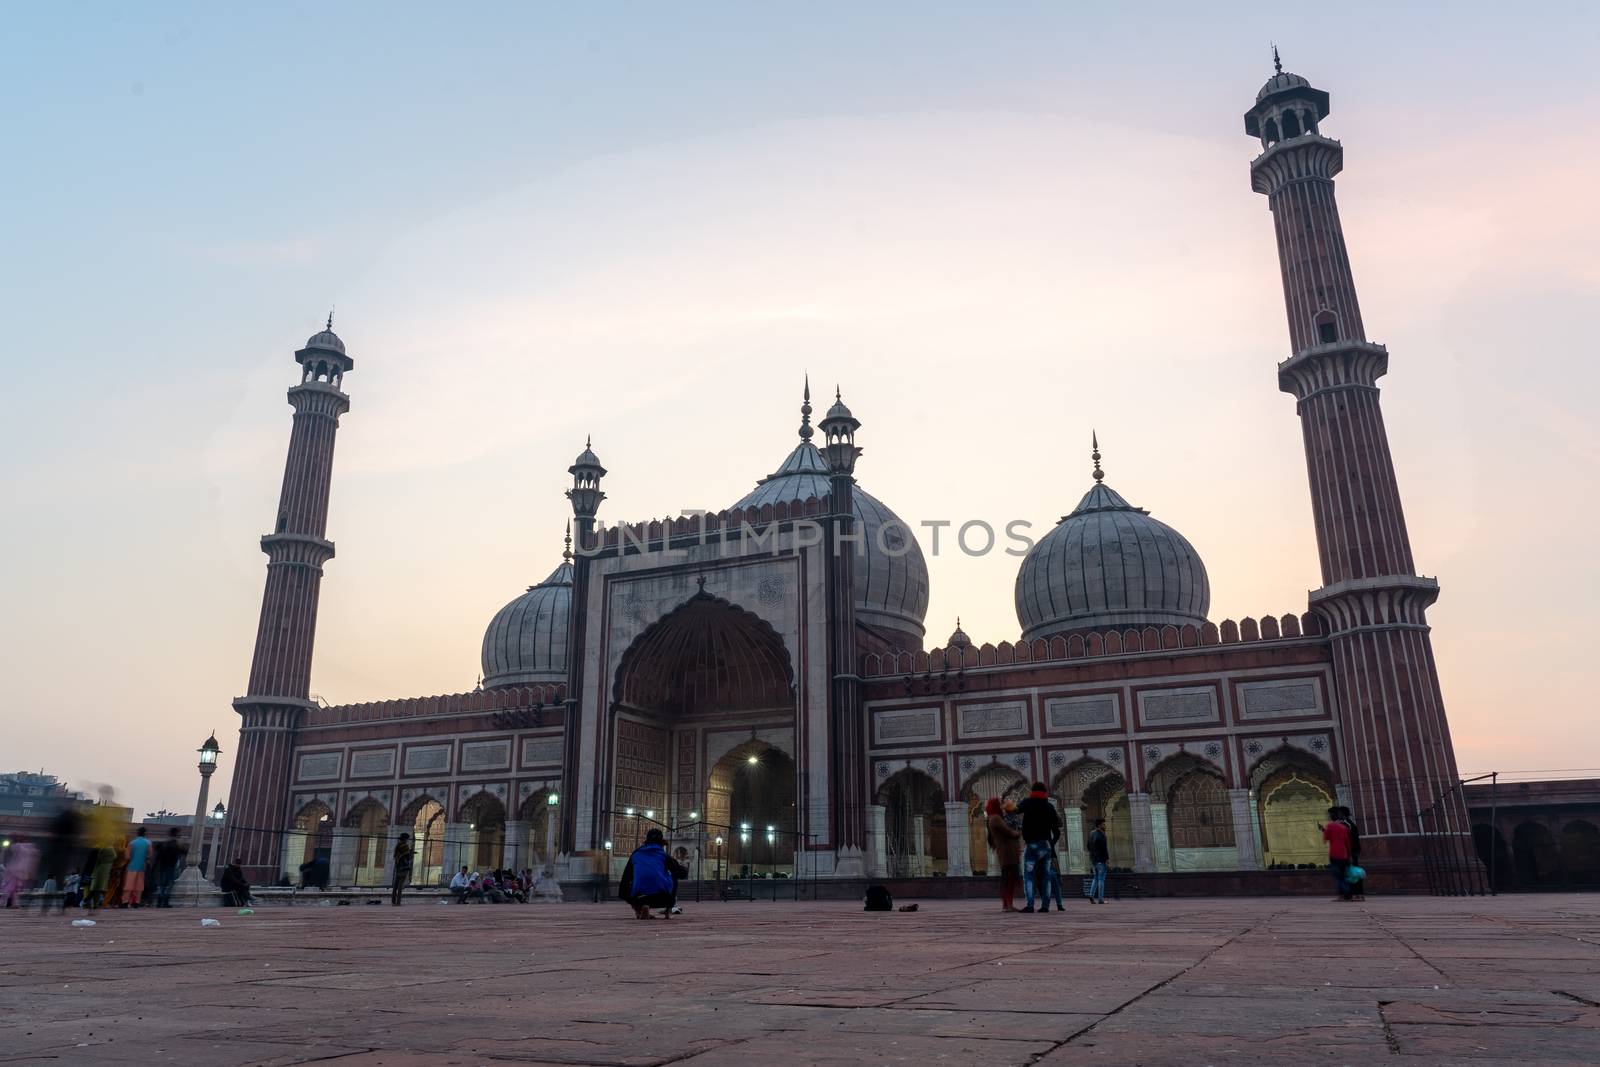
{"type": "Point", "coordinates": [997, 226]}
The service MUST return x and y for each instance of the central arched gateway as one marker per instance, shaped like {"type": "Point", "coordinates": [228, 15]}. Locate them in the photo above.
{"type": "Point", "coordinates": [702, 726]}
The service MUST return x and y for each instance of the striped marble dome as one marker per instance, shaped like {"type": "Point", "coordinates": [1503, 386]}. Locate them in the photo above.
{"type": "Point", "coordinates": [527, 640]}
{"type": "Point", "coordinates": [1109, 565]}
{"type": "Point", "coordinates": [892, 585]}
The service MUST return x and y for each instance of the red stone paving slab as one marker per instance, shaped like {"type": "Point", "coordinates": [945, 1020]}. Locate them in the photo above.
{"type": "Point", "coordinates": [1503, 980]}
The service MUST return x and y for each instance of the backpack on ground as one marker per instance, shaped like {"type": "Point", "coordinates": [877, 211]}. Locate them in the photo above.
{"type": "Point", "coordinates": [878, 899]}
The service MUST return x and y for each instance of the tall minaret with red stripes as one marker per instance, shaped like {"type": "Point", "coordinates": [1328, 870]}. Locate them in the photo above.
{"type": "Point", "coordinates": [1396, 749]}
{"type": "Point", "coordinates": [280, 674]}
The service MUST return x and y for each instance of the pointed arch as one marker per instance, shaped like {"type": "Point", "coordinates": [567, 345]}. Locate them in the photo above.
{"type": "Point", "coordinates": [705, 655]}
{"type": "Point", "coordinates": [916, 839]}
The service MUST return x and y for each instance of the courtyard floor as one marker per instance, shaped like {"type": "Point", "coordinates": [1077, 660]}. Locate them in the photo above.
{"type": "Point", "coordinates": [1513, 979]}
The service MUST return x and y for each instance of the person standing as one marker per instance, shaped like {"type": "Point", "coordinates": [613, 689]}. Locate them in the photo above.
{"type": "Point", "coordinates": [1337, 835]}
{"type": "Point", "coordinates": [1040, 828]}
{"type": "Point", "coordinates": [62, 853]}
{"type": "Point", "coordinates": [138, 862]}
{"type": "Point", "coordinates": [1358, 888]}
{"type": "Point", "coordinates": [1007, 844]}
{"type": "Point", "coordinates": [1099, 859]}
{"type": "Point", "coordinates": [402, 867]}
{"type": "Point", "coordinates": [1053, 877]}
{"type": "Point", "coordinates": [169, 862]}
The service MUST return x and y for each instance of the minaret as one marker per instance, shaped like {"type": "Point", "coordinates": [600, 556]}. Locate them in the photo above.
{"type": "Point", "coordinates": [280, 674]}
{"type": "Point", "coordinates": [847, 727]}
{"type": "Point", "coordinates": [1396, 748]}
{"type": "Point", "coordinates": [585, 496]}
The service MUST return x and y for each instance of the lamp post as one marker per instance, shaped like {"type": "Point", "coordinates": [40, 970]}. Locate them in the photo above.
{"type": "Point", "coordinates": [193, 879]}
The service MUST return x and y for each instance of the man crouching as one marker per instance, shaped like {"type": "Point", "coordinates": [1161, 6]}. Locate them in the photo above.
{"type": "Point", "coordinates": [650, 880]}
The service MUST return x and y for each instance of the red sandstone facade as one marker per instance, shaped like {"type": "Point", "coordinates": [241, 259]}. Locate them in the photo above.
{"type": "Point", "coordinates": [765, 696]}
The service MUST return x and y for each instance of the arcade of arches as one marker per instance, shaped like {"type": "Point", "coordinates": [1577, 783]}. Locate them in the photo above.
{"type": "Point", "coordinates": [704, 671]}
{"type": "Point", "coordinates": [1195, 822]}
{"type": "Point", "coordinates": [1547, 851]}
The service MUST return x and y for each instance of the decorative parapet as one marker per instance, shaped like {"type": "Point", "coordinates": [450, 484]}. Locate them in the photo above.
{"type": "Point", "coordinates": [642, 534]}
{"type": "Point", "coordinates": [481, 701]}
{"type": "Point", "coordinates": [1095, 645]}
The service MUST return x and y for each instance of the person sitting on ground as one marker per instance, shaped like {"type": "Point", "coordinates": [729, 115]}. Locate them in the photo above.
{"type": "Point", "coordinates": [651, 878]}
{"type": "Point", "coordinates": [491, 889]}
{"type": "Point", "coordinates": [235, 888]}
{"type": "Point", "coordinates": [459, 885]}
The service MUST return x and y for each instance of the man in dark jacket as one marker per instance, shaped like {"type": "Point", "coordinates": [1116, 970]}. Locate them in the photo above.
{"type": "Point", "coordinates": [169, 864]}
{"type": "Point", "coordinates": [650, 880]}
{"type": "Point", "coordinates": [1099, 856]}
{"type": "Point", "coordinates": [1040, 828]}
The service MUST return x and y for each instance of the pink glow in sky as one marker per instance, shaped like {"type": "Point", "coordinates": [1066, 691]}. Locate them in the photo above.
{"type": "Point", "coordinates": [1008, 235]}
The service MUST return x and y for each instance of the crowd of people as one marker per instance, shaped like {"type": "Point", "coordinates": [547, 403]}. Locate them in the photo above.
{"type": "Point", "coordinates": [503, 887]}
{"type": "Point", "coordinates": [89, 861]}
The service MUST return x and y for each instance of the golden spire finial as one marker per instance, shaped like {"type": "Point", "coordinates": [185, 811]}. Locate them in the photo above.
{"type": "Point", "coordinates": [1094, 440]}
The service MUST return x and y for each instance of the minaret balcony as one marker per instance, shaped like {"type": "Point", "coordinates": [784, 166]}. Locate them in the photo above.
{"type": "Point", "coordinates": [1306, 157]}
{"type": "Point", "coordinates": [1333, 365]}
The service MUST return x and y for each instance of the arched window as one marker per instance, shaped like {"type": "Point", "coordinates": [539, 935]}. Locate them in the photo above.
{"type": "Point", "coordinates": [1327, 324]}
{"type": "Point", "coordinates": [1269, 132]}
{"type": "Point", "coordinates": [1291, 124]}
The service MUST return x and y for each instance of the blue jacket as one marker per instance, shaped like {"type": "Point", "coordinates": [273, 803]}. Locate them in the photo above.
{"type": "Point", "coordinates": [650, 873]}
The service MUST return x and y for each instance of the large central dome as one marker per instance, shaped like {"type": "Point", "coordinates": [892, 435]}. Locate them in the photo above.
{"type": "Point", "coordinates": [891, 578]}
{"type": "Point", "coordinates": [1107, 565]}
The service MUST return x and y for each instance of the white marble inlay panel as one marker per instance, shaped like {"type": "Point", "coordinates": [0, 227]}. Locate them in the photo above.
{"type": "Point", "coordinates": [372, 764]}
{"type": "Point", "coordinates": [542, 751]}
{"type": "Point", "coordinates": [1278, 699]}
{"type": "Point", "coordinates": [318, 765]}
{"type": "Point", "coordinates": [485, 755]}
{"type": "Point", "coordinates": [1075, 713]}
{"type": "Point", "coordinates": [992, 720]}
{"type": "Point", "coordinates": [909, 724]}
{"type": "Point", "coordinates": [1178, 705]}
{"type": "Point", "coordinates": [427, 759]}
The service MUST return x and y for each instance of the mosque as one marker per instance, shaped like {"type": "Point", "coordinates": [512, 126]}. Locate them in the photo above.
{"type": "Point", "coordinates": [759, 682]}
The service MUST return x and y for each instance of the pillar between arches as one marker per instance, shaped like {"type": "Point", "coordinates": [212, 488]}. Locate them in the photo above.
{"type": "Point", "coordinates": [957, 840]}
{"type": "Point", "coordinates": [515, 850]}
{"type": "Point", "coordinates": [1245, 832]}
{"type": "Point", "coordinates": [1143, 839]}
{"type": "Point", "coordinates": [342, 857]}
{"type": "Point", "coordinates": [877, 841]}
{"type": "Point", "coordinates": [455, 846]}
{"type": "Point", "coordinates": [1077, 848]}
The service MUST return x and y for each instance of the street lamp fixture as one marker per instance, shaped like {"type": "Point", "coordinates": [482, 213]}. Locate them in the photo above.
{"type": "Point", "coordinates": [552, 800]}
{"type": "Point", "coordinates": [627, 811]}
{"type": "Point", "coordinates": [219, 811]}
{"type": "Point", "coordinates": [753, 760]}
{"type": "Point", "coordinates": [192, 881]}
{"type": "Point", "coordinates": [650, 814]}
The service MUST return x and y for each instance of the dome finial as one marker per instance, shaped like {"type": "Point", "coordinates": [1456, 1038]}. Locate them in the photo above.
{"type": "Point", "coordinates": [805, 411]}
{"type": "Point", "coordinates": [566, 553]}
{"type": "Point", "coordinates": [1094, 441]}
{"type": "Point", "coordinates": [1277, 64]}
{"type": "Point", "coordinates": [330, 318]}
